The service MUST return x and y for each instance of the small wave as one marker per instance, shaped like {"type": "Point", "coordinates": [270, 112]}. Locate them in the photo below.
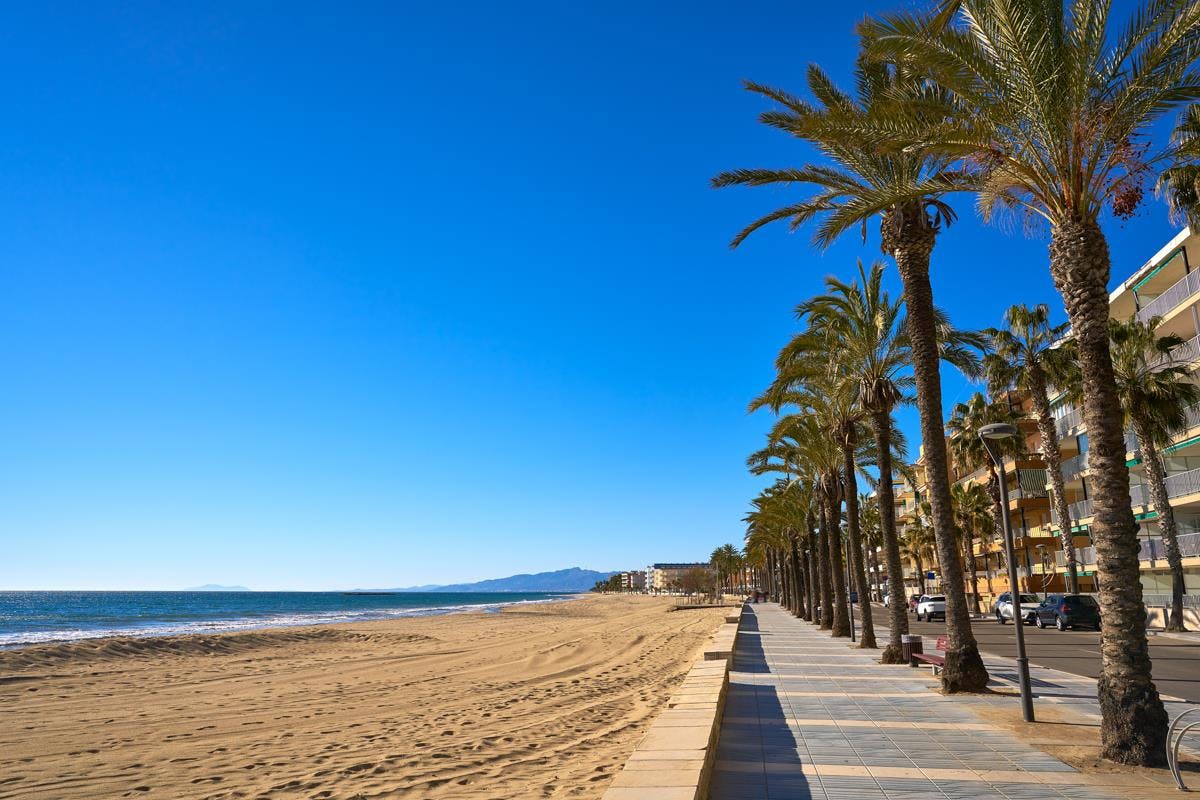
{"type": "Point", "coordinates": [26, 638]}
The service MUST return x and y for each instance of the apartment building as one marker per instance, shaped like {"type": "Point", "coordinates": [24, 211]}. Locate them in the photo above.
{"type": "Point", "coordinates": [633, 581]}
{"type": "Point", "coordinates": [1167, 287]}
{"type": "Point", "coordinates": [664, 577]}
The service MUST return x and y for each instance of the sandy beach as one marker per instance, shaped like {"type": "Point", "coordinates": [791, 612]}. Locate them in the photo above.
{"type": "Point", "coordinates": [534, 701]}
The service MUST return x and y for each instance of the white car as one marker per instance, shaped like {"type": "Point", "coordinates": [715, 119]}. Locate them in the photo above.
{"type": "Point", "coordinates": [931, 605]}
{"type": "Point", "coordinates": [1004, 608]}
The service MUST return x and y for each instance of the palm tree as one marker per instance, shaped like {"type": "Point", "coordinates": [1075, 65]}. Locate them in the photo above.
{"type": "Point", "coordinates": [969, 453]}
{"type": "Point", "coordinates": [1180, 182]}
{"type": "Point", "coordinates": [905, 190]}
{"type": "Point", "coordinates": [1054, 111]}
{"type": "Point", "coordinates": [1155, 393]}
{"type": "Point", "coordinates": [870, 522]}
{"type": "Point", "coordinates": [1028, 356]}
{"type": "Point", "coordinates": [919, 541]}
{"type": "Point", "coordinates": [800, 443]}
{"type": "Point", "coordinates": [864, 333]}
{"type": "Point", "coordinates": [972, 510]}
{"type": "Point", "coordinates": [814, 376]}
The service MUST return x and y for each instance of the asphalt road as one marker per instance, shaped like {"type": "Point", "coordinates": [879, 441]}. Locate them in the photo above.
{"type": "Point", "coordinates": [1176, 662]}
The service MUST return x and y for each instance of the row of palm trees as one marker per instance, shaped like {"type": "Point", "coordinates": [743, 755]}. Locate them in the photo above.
{"type": "Point", "coordinates": [1037, 109]}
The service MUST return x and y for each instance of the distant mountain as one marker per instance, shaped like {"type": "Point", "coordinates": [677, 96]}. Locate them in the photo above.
{"type": "Point", "coordinates": [563, 580]}
{"type": "Point", "coordinates": [216, 587]}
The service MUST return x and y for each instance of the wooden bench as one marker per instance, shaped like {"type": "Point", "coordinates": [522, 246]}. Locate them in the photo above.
{"type": "Point", "coordinates": [937, 662]}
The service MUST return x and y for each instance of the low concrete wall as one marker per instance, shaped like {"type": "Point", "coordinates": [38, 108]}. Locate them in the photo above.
{"type": "Point", "coordinates": [1156, 617]}
{"type": "Point", "coordinates": [675, 757]}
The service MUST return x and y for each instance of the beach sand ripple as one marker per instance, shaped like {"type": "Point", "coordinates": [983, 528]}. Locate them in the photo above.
{"type": "Point", "coordinates": [534, 701]}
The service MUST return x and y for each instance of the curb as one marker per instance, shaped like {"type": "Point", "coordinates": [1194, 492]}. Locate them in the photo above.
{"type": "Point", "coordinates": [675, 758]}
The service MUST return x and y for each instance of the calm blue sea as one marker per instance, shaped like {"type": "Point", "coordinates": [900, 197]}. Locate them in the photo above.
{"type": "Point", "coordinates": [34, 617]}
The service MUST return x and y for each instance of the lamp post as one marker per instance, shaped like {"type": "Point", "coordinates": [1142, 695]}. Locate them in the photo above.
{"type": "Point", "coordinates": [992, 435]}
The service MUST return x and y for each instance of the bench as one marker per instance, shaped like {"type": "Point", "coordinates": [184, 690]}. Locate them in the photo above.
{"type": "Point", "coordinates": [937, 662]}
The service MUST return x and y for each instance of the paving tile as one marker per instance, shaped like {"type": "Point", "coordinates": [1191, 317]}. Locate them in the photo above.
{"type": "Point", "coordinates": [813, 718]}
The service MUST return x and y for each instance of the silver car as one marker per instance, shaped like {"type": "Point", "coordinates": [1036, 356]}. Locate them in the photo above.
{"type": "Point", "coordinates": [1003, 609]}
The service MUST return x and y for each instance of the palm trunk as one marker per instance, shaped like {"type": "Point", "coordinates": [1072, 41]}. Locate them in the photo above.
{"type": "Point", "coordinates": [910, 238]}
{"type": "Point", "coordinates": [968, 540]}
{"type": "Point", "coordinates": [837, 567]}
{"type": "Point", "coordinates": [921, 587]}
{"type": "Point", "coordinates": [1053, 459]}
{"type": "Point", "coordinates": [814, 579]}
{"type": "Point", "coordinates": [821, 549]}
{"type": "Point", "coordinates": [881, 426]}
{"type": "Point", "coordinates": [797, 579]}
{"type": "Point", "coordinates": [785, 580]}
{"type": "Point", "coordinates": [810, 558]}
{"type": "Point", "coordinates": [1166, 520]}
{"type": "Point", "coordinates": [1134, 723]}
{"type": "Point", "coordinates": [855, 545]}
{"type": "Point", "coordinates": [993, 490]}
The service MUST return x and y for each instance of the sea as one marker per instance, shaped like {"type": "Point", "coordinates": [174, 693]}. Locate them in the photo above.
{"type": "Point", "coordinates": [39, 617]}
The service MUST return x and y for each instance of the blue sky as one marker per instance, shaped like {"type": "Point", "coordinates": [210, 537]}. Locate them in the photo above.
{"type": "Point", "coordinates": [303, 297]}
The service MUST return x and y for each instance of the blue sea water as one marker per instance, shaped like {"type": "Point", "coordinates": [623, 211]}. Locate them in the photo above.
{"type": "Point", "coordinates": [36, 617]}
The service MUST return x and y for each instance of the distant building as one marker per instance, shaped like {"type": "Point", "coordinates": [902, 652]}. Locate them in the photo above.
{"type": "Point", "coordinates": [633, 581]}
{"type": "Point", "coordinates": [667, 576]}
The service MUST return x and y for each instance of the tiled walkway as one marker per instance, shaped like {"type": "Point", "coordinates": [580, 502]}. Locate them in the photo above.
{"type": "Point", "coordinates": [809, 717]}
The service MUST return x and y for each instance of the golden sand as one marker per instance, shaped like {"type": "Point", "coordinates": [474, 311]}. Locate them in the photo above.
{"type": "Point", "coordinates": [535, 701]}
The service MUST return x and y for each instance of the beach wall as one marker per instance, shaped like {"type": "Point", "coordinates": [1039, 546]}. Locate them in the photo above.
{"type": "Point", "coordinates": [675, 758]}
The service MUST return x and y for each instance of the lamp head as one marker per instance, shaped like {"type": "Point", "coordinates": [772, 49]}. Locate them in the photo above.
{"type": "Point", "coordinates": [998, 430]}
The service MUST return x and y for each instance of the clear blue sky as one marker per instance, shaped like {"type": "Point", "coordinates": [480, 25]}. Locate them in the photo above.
{"type": "Point", "coordinates": [406, 293]}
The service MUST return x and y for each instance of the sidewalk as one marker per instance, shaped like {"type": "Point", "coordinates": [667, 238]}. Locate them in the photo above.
{"type": "Point", "coordinates": [807, 717]}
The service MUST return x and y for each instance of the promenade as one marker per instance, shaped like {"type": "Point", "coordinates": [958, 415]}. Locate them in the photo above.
{"type": "Point", "coordinates": [808, 716]}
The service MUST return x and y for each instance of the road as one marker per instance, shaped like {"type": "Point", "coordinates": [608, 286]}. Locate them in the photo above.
{"type": "Point", "coordinates": [1176, 662]}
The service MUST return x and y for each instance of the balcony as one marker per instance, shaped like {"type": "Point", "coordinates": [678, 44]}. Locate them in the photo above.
{"type": "Point", "coordinates": [1172, 297]}
{"type": "Point", "coordinates": [1073, 467]}
{"type": "Point", "coordinates": [1178, 485]}
{"type": "Point", "coordinates": [1069, 422]}
{"type": "Point", "coordinates": [1078, 511]}
{"type": "Point", "coordinates": [1150, 549]}
{"type": "Point", "coordinates": [1182, 355]}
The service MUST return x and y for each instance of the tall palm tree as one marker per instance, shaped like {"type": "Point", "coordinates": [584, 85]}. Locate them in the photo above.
{"type": "Point", "coordinates": [863, 332]}
{"type": "Point", "coordinates": [972, 510]}
{"type": "Point", "coordinates": [919, 542]}
{"type": "Point", "coordinates": [1054, 112]}
{"type": "Point", "coordinates": [797, 446]}
{"type": "Point", "coordinates": [1155, 393]}
{"type": "Point", "coordinates": [969, 453]}
{"type": "Point", "coordinates": [904, 189]}
{"type": "Point", "coordinates": [1029, 356]}
{"type": "Point", "coordinates": [813, 375]}
{"type": "Point", "coordinates": [870, 522]}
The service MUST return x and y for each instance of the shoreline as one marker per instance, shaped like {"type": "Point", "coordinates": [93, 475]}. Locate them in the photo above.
{"type": "Point", "coordinates": [530, 701]}
{"type": "Point", "coordinates": [279, 621]}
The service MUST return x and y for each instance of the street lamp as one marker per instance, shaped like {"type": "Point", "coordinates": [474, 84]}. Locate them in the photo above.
{"type": "Point", "coordinates": [991, 436]}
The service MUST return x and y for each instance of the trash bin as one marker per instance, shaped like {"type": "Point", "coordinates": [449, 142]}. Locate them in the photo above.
{"type": "Point", "coordinates": [910, 644]}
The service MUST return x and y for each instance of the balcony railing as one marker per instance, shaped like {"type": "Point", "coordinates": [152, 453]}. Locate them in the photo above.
{"type": "Point", "coordinates": [1184, 354]}
{"type": "Point", "coordinates": [1069, 421]}
{"type": "Point", "coordinates": [1072, 467]}
{"type": "Point", "coordinates": [1081, 509]}
{"type": "Point", "coordinates": [1178, 485]}
{"type": "Point", "coordinates": [1149, 549]}
{"type": "Point", "coordinates": [1074, 419]}
{"type": "Point", "coordinates": [1172, 297]}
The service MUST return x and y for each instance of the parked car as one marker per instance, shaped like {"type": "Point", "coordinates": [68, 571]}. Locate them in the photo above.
{"type": "Point", "coordinates": [931, 605]}
{"type": "Point", "coordinates": [914, 600]}
{"type": "Point", "coordinates": [1003, 609]}
{"type": "Point", "coordinates": [1068, 611]}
